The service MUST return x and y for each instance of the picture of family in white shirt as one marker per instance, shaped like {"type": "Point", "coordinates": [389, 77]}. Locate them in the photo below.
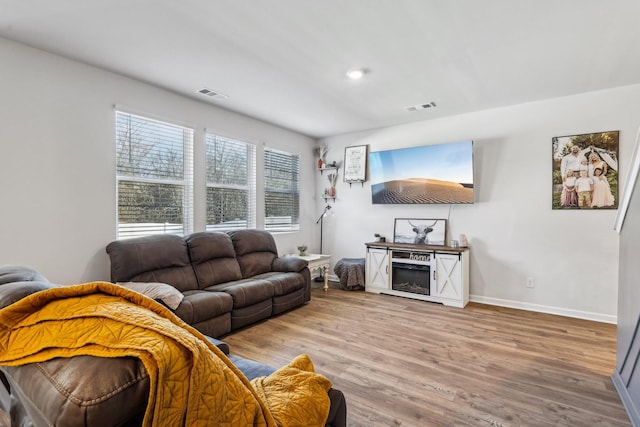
{"type": "Point", "coordinates": [586, 176]}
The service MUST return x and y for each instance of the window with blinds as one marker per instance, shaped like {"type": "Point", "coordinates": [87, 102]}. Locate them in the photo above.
{"type": "Point", "coordinates": [231, 184]}
{"type": "Point", "coordinates": [282, 190]}
{"type": "Point", "coordinates": [154, 174]}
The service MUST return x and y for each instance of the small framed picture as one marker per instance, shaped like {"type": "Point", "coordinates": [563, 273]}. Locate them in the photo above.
{"type": "Point", "coordinates": [355, 163]}
{"type": "Point", "coordinates": [420, 231]}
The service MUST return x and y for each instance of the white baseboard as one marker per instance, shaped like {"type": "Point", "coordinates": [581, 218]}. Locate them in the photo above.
{"type": "Point", "coordinates": [623, 392]}
{"type": "Point", "coordinates": [597, 317]}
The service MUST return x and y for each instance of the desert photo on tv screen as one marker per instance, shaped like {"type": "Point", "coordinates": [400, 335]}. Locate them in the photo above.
{"type": "Point", "coordinates": [441, 173]}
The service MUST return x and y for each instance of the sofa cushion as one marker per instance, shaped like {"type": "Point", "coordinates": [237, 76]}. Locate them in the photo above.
{"type": "Point", "coordinates": [215, 326]}
{"type": "Point", "coordinates": [213, 257]}
{"type": "Point", "coordinates": [198, 306]}
{"type": "Point", "coordinates": [246, 292]}
{"type": "Point", "coordinates": [283, 303]}
{"type": "Point", "coordinates": [220, 344]}
{"type": "Point", "coordinates": [163, 258]}
{"type": "Point", "coordinates": [241, 317]}
{"type": "Point", "coordinates": [167, 294]}
{"type": "Point", "coordinates": [255, 251]}
{"type": "Point", "coordinates": [283, 283]}
{"type": "Point", "coordinates": [250, 368]}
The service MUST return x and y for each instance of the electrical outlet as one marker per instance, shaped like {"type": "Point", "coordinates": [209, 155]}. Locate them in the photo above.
{"type": "Point", "coordinates": [531, 282]}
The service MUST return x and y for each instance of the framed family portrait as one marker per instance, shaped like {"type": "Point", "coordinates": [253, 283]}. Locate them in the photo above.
{"type": "Point", "coordinates": [420, 231]}
{"type": "Point", "coordinates": [355, 163]}
{"type": "Point", "coordinates": [585, 171]}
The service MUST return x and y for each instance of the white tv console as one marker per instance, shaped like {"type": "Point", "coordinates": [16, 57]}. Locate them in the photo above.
{"type": "Point", "coordinates": [429, 273]}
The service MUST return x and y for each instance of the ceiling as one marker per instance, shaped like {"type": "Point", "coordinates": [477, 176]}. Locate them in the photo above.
{"type": "Point", "coordinates": [284, 61]}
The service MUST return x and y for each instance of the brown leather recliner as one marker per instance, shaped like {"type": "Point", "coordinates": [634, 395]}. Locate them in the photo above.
{"type": "Point", "coordinates": [88, 390]}
{"type": "Point", "coordinates": [229, 280]}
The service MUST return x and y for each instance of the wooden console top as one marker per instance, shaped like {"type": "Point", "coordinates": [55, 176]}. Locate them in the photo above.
{"type": "Point", "coordinates": [390, 245]}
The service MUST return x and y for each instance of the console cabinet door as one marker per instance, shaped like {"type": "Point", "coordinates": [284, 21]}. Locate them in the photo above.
{"type": "Point", "coordinates": [448, 275]}
{"type": "Point", "coordinates": [377, 274]}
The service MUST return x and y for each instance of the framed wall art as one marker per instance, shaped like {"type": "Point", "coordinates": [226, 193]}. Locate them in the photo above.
{"type": "Point", "coordinates": [420, 231]}
{"type": "Point", "coordinates": [585, 171]}
{"type": "Point", "coordinates": [355, 163]}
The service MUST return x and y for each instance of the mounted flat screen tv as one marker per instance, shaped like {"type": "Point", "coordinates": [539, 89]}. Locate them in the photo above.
{"type": "Point", "coordinates": [441, 173]}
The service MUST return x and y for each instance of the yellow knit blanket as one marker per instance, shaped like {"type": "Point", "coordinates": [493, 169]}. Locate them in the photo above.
{"type": "Point", "coordinates": [192, 382]}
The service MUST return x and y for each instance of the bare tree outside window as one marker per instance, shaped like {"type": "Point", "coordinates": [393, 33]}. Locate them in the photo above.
{"type": "Point", "coordinates": [153, 165]}
{"type": "Point", "coordinates": [230, 184]}
{"type": "Point", "coordinates": [282, 190]}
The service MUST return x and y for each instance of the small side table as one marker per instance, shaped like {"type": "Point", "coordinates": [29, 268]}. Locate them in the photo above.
{"type": "Point", "coordinates": [318, 266]}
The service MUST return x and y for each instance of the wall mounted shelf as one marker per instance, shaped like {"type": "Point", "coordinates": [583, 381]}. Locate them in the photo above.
{"type": "Point", "coordinates": [328, 168]}
{"type": "Point", "coordinates": [332, 169]}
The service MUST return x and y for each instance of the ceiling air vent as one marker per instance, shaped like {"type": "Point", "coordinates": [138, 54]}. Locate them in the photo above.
{"type": "Point", "coordinates": [213, 94]}
{"type": "Point", "coordinates": [421, 106]}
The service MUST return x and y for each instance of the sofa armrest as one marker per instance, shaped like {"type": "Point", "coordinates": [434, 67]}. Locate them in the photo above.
{"type": "Point", "coordinates": [289, 264]}
{"type": "Point", "coordinates": [338, 410]}
{"type": "Point", "coordinates": [12, 292]}
{"type": "Point", "coordinates": [14, 273]}
{"type": "Point", "coordinates": [18, 282]}
{"type": "Point", "coordinates": [79, 391]}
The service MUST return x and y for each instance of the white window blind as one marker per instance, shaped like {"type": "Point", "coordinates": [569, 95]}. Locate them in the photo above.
{"type": "Point", "coordinates": [282, 190]}
{"type": "Point", "coordinates": [231, 184]}
{"type": "Point", "coordinates": [154, 162]}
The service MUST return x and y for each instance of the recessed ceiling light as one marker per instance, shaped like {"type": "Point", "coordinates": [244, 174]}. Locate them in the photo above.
{"type": "Point", "coordinates": [356, 73]}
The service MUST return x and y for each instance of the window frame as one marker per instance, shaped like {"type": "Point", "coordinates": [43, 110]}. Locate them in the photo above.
{"type": "Point", "coordinates": [250, 187]}
{"type": "Point", "coordinates": [295, 213]}
{"type": "Point", "coordinates": [186, 182]}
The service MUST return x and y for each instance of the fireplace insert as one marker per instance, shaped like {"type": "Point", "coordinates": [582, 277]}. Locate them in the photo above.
{"type": "Point", "coordinates": [411, 272]}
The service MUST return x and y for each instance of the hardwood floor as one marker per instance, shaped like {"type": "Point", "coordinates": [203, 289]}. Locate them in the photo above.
{"type": "Point", "coordinates": [402, 362]}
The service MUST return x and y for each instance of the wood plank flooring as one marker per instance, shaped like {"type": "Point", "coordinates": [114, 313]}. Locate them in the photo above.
{"type": "Point", "coordinates": [402, 362]}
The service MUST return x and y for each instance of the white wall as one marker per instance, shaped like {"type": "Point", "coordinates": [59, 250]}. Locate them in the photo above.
{"type": "Point", "coordinates": [57, 182]}
{"type": "Point", "coordinates": [513, 232]}
{"type": "Point", "coordinates": [57, 173]}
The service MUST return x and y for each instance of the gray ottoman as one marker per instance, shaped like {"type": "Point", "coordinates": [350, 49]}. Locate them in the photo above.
{"type": "Point", "coordinates": [351, 273]}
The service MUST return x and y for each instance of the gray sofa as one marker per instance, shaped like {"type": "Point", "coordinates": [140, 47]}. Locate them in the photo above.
{"type": "Point", "coordinates": [229, 280]}
{"type": "Point", "coordinates": [87, 390]}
